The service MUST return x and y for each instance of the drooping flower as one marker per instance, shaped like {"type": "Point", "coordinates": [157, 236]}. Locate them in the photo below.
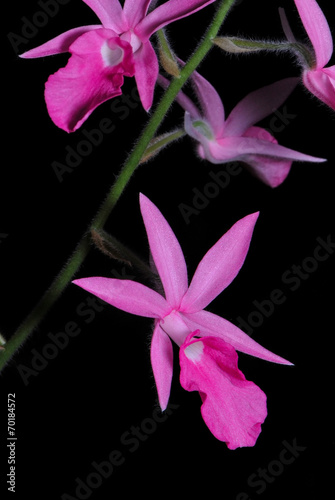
{"type": "Point", "coordinates": [207, 342]}
{"type": "Point", "coordinates": [317, 78]}
{"type": "Point", "coordinates": [236, 138]}
{"type": "Point", "coordinates": [102, 54]}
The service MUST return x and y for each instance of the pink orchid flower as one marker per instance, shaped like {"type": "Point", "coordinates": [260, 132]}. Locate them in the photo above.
{"type": "Point", "coordinates": [232, 408]}
{"type": "Point", "coordinates": [102, 54]}
{"type": "Point", "coordinates": [237, 138]}
{"type": "Point", "coordinates": [317, 78]}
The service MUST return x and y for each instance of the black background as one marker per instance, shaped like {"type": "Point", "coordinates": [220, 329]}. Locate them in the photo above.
{"type": "Point", "coordinates": [75, 410]}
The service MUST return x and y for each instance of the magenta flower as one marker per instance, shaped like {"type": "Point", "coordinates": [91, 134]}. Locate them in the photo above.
{"type": "Point", "coordinates": [318, 79]}
{"type": "Point", "coordinates": [237, 138]}
{"type": "Point", "coordinates": [233, 408]}
{"type": "Point", "coordinates": [102, 54]}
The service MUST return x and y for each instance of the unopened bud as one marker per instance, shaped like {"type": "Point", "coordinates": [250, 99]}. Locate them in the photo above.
{"type": "Point", "coordinates": [236, 45]}
{"type": "Point", "coordinates": [166, 55]}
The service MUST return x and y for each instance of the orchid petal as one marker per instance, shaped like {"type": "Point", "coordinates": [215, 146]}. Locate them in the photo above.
{"type": "Point", "coordinates": [166, 252]}
{"type": "Point", "coordinates": [211, 104]}
{"type": "Point", "coordinates": [317, 28]}
{"type": "Point", "coordinates": [238, 148]}
{"type": "Point", "coordinates": [232, 407]}
{"type": "Point", "coordinates": [161, 354]}
{"type": "Point", "coordinates": [129, 296]}
{"type": "Point", "coordinates": [257, 105]}
{"type": "Point", "coordinates": [110, 14]}
{"type": "Point", "coordinates": [219, 266]}
{"type": "Point", "coordinates": [146, 71]}
{"type": "Point", "coordinates": [330, 72]}
{"type": "Point", "coordinates": [211, 324]}
{"type": "Point", "coordinates": [90, 78]}
{"type": "Point", "coordinates": [271, 171]}
{"type": "Point", "coordinates": [167, 13]}
{"type": "Point", "coordinates": [286, 26]}
{"type": "Point", "coordinates": [135, 11]}
{"type": "Point", "coordinates": [59, 44]}
{"type": "Point", "coordinates": [321, 83]}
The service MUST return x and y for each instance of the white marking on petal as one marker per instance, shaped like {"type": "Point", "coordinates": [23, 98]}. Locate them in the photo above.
{"type": "Point", "coordinates": [132, 39]}
{"type": "Point", "coordinates": [194, 351]}
{"type": "Point", "coordinates": [111, 57]}
{"type": "Point", "coordinates": [135, 42]}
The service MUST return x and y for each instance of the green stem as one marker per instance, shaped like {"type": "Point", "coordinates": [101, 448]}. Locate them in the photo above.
{"type": "Point", "coordinates": [46, 302]}
{"type": "Point", "coordinates": [83, 247]}
{"type": "Point", "coordinates": [158, 116]}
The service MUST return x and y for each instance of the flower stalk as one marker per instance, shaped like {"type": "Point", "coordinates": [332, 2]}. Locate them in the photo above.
{"type": "Point", "coordinates": [160, 142]}
{"type": "Point", "coordinates": [236, 45]}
